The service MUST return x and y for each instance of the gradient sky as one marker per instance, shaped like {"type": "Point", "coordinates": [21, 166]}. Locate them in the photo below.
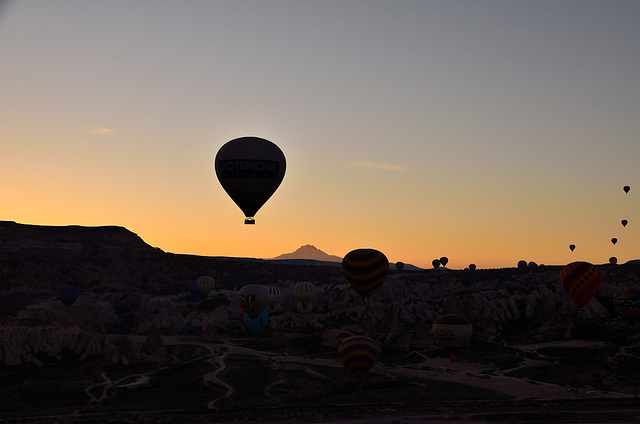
{"type": "Point", "coordinates": [484, 131]}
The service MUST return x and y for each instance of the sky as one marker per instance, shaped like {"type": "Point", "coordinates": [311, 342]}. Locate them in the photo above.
{"type": "Point", "coordinates": [485, 131]}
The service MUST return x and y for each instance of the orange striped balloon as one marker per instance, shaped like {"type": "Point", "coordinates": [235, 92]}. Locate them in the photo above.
{"type": "Point", "coordinates": [581, 281]}
{"type": "Point", "coordinates": [365, 270]}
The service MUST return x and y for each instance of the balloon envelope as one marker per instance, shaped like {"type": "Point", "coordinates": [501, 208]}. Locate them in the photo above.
{"type": "Point", "coordinates": [68, 294]}
{"type": "Point", "coordinates": [250, 169]}
{"type": "Point", "coordinates": [614, 240]}
{"type": "Point", "coordinates": [348, 332]}
{"type": "Point", "coordinates": [304, 292]}
{"type": "Point", "coordinates": [572, 247]}
{"type": "Point", "coordinates": [258, 324]}
{"type": "Point", "coordinates": [358, 354]}
{"type": "Point", "coordinates": [205, 284]}
{"type": "Point", "coordinates": [444, 261]}
{"type": "Point", "coordinates": [626, 189]}
{"type": "Point", "coordinates": [624, 222]}
{"type": "Point", "coordinates": [399, 265]}
{"type": "Point", "coordinates": [452, 332]}
{"type": "Point", "coordinates": [613, 260]}
{"type": "Point", "coordinates": [580, 280]}
{"type": "Point", "coordinates": [365, 270]}
{"type": "Point", "coordinates": [254, 299]}
{"type": "Point", "coordinates": [435, 263]}
{"type": "Point", "coordinates": [627, 304]}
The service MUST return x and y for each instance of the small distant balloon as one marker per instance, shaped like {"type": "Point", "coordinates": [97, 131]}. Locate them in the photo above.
{"type": "Point", "coordinates": [614, 240]}
{"type": "Point", "coordinates": [522, 264]}
{"type": "Point", "coordinates": [399, 266]}
{"type": "Point", "coordinates": [624, 222]}
{"type": "Point", "coordinates": [435, 263]}
{"type": "Point", "coordinates": [626, 189]}
{"type": "Point", "coordinates": [613, 260]}
{"type": "Point", "coordinates": [444, 261]}
{"type": "Point", "coordinates": [572, 247]}
{"type": "Point", "coordinates": [472, 267]}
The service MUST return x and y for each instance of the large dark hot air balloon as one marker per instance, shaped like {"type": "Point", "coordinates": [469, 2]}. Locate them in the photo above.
{"type": "Point", "coordinates": [365, 270]}
{"type": "Point", "coordinates": [452, 332]}
{"type": "Point", "coordinates": [250, 170]}
{"type": "Point", "coordinates": [572, 247]}
{"type": "Point", "coordinates": [624, 222]}
{"type": "Point", "coordinates": [358, 354]}
{"type": "Point", "coordinates": [614, 240]}
{"type": "Point", "coordinates": [626, 189]}
{"type": "Point", "coordinates": [580, 280]}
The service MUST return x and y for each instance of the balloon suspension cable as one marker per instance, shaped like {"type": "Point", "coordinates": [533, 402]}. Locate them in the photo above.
{"type": "Point", "coordinates": [250, 220]}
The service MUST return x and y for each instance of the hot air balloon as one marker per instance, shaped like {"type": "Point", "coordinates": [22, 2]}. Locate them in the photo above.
{"type": "Point", "coordinates": [614, 240]}
{"type": "Point", "coordinates": [68, 295]}
{"type": "Point", "coordinates": [613, 260]}
{"type": "Point", "coordinates": [580, 280]}
{"type": "Point", "coordinates": [250, 169]}
{"type": "Point", "coordinates": [435, 263]}
{"type": "Point", "coordinates": [572, 247]}
{"type": "Point", "coordinates": [193, 288]}
{"type": "Point", "coordinates": [304, 292]}
{"type": "Point", "coordinates": [365, 270]}
{"type": "Point", "coordinates": [472, 267]}
{"type": "Point", "coordinates": [348, 332]}
{"type": "Point", "coordinates": [358, 354]}
{"type": "Point", "coordinates": [205, 284]}
{"type": "Point", "coordinates": [444, 261]}
{"type": "Point", "coordinates": [258, 324]}
{"type": "Point", "coordinates": [452, 332]}
{"type": "Point", "coordinates": [274, 299]}
{"type": "Point", "coordinates": [627, 304]}
{"type": "Point", "coordinates": [254, 299]}
{"type": "Point", "coordinates": [626, 189]}
{"type": "Point", "coordinates": [399, 265]}
{"type": "Point", "coordinates": [624, 222]}
{"type": "Point", "coordinates": [522, 264]}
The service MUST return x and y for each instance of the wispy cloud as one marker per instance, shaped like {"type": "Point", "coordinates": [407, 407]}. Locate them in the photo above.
{"type": "Point", "coordinates": [375, 166]}
{"type": "Point", "coordinates": [105, 131]}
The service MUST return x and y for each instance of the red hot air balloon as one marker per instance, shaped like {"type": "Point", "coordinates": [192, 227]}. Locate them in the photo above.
{"type": "Point", "coordinates": [365, 270]}
{"type": "Point", "coordinates": [626, 189]}
{"type": "Point", "coordinates": [358, 355]}
{"type": "Point", "coordinates": [572, 247]}
{"type": "Point", "coordinates": [580, 280]}
{"type": "Point", "coordinates": [624, 222]}
{"type": "Point", "coordinates": [614, 240]}
{"type": "Point", "coordinates": [250, 169]}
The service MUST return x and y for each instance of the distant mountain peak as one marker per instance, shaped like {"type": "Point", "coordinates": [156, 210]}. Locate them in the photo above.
{"type": "Point", "coordinates": [309, 251]}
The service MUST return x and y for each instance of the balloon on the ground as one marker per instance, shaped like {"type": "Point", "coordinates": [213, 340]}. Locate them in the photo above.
{"type": "Point", "coordinates": [304, 292]}
{"type": "Point", "coordinates": [452, 332]}
{"type": "Point", "coordinates": [399, 265]}
{"type": "Point", "coordinates": [627, 304]}
{"type": "Point", "coordinates": [472, 267]}
{"type": "Point", "coordinates": [68, 294]}
{"type": "Point", "coordinates": [250, 169]}
{"type": "Point", "coordinates": [258, 324]}
{"type": "Point", "coordinates": [581, 281]}
{"type": "Point", "coordinates": [193, 288]}
{"type": "Point", "coordinates": [365, 270]}
{"type": "Point", "coordinates": [613, 260]}
{"type": "Point", "coordinates": [205, 284]}
{"type": "Point", "coordinates": [358, 354]}
{"type": "Point", "coordinates": [254, 299]}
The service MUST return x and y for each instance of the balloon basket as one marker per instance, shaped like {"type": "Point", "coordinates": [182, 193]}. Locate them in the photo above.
{"type": "Point", "coordinates": [249, 221]}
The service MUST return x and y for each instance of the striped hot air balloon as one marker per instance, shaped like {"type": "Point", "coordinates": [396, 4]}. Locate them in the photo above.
{"type": "Point", "coordinates": [627, 304]}
{"type": "Point", "coordinates": [348, 332]}
{"type": "Point", "coordinates": [452, 332]}
{"type": "Point", "coordinates": [580, 280]}
{"type": "Point", "coordinates": [205, 284]}
{"type": "Point", "coordinates": [365, 270]}
{"type": "Point", "coordinates": [358, 354]}
{"type": "Point", "coordinates": [254, 299]}
{"type": "Point", "coordinates": [304, 292]}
